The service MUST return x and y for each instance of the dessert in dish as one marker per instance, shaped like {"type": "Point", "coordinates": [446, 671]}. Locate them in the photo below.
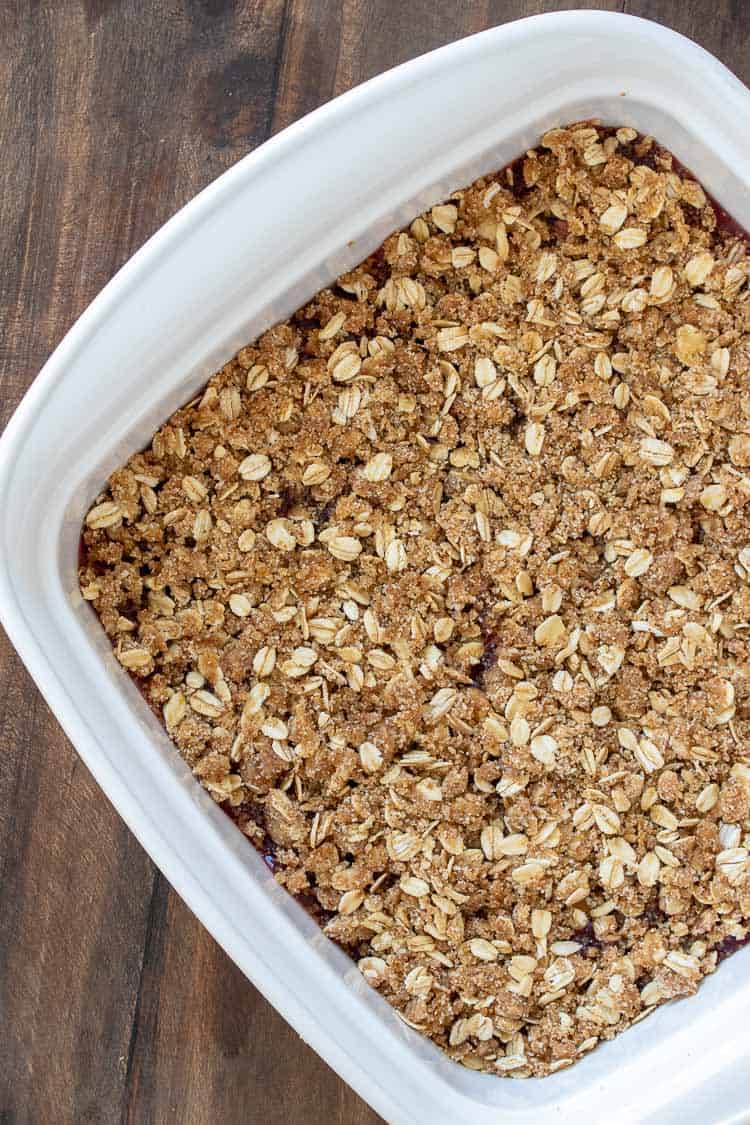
{"type": "Point", "coordinates": [442, 589]}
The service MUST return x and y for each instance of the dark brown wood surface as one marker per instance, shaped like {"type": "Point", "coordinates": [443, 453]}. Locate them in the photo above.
{"type": "Point", "coordinates": [115, 1004]}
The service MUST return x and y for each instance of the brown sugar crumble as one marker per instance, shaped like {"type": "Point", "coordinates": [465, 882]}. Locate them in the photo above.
{"type": "Point", "coordinates": [442, 588]}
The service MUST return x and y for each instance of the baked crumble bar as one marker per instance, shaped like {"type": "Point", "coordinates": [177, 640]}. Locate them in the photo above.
{"type": "Point", "coordinates": [442, 588]}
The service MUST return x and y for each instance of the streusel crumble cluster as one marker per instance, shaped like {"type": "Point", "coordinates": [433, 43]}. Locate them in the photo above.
{"type": "Point", "coordinates": [442, 588]}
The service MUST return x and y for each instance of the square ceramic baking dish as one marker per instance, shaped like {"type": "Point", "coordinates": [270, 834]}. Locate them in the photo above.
{"type": "Point", "coordinates": [245, 253]}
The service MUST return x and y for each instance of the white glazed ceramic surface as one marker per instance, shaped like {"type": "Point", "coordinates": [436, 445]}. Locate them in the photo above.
{"type": "Point", "coordinates": [245, 253]}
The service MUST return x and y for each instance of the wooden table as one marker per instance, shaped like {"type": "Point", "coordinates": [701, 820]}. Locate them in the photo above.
{"type": "Point", "coordinates": [115, 1004]}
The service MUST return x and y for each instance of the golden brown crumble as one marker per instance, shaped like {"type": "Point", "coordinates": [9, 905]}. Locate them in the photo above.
{"type": "Point", "coordinates": [443, 590]}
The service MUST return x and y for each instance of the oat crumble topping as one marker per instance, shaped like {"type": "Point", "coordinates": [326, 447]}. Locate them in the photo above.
{"type": "Point", "coordinates": [442, 588]}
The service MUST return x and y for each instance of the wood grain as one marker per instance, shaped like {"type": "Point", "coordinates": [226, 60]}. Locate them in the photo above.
{"type": "Point", "coordinates": [115, 1004]}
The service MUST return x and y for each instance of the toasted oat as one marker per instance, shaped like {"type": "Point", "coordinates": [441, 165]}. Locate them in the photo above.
{"type": "Point", "coordinates": [442, 589]}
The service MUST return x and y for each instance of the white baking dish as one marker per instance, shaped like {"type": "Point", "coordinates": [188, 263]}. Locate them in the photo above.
{"type": "Point", "coordinates": [246, 252]}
